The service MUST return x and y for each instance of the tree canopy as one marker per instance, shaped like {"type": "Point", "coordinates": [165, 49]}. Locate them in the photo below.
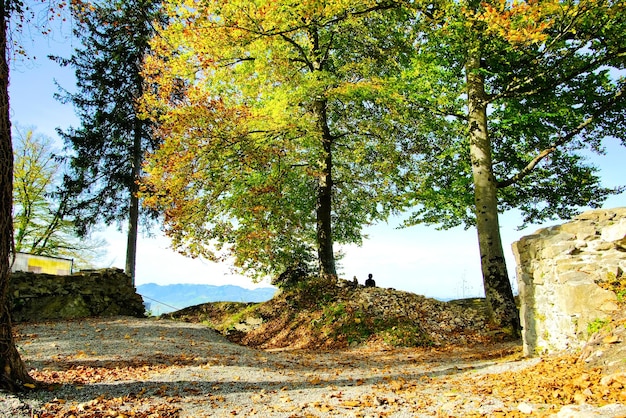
{"type": "Point", "coordinates": [283, 132]}
{"type": "Point", "coordinates": [41, 224]}
{"type": "Point", "coordinates": [287, 127]}
{"type": "Point", "coordinates": [533, 84]}
{"type": "Point", "coordinates": [552, 88]}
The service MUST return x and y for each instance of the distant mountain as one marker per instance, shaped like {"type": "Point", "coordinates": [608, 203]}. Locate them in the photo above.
{"type": "Point", "coordinates": [163, 299]}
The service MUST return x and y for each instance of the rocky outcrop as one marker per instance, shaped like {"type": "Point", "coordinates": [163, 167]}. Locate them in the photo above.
{"type": "Point", "coordinates": [39, 297]}
{"type": "Point", "coordinates": [571, 279]}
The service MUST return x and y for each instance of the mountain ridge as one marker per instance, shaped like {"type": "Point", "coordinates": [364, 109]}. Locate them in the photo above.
{"type": "Point", "coordinates": [161, 299]}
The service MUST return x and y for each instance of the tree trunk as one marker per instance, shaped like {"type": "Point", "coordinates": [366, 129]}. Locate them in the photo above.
{"type": "Point", "coordinates": [498, 292]}
{"type": "Point", "coordinates": [326, 255]}
{"type": "Point", "coordinates": [13, 374]}
{"type": "Point", "coordinates": [323, 207]}
{"type": "Point", "coordinates": [133, 214]}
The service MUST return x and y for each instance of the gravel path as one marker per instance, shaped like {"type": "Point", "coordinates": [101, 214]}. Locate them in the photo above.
{"type": "Point", "coordinates": [128, 367]}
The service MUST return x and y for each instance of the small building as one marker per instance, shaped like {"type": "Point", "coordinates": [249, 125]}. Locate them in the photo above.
{"type": "Point", "coordinates": [42, 264]}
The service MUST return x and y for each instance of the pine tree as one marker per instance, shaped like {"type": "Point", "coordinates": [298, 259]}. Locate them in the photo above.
{"type": "Point", "coordinates": [109, 146]}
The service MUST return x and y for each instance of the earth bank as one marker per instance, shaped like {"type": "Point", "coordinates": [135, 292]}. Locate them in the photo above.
{"type": "Point", "coordinates": [324, 316]}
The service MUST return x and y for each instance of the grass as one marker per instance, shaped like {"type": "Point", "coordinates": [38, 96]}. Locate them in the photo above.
{"type": "Point", "coordinates": [596, 325]}
{"type": "Point", "coordinates": [318, 311]}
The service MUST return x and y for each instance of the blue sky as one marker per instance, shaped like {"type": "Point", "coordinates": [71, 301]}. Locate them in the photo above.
{"type": "Point", "coordinates": [442, 264]}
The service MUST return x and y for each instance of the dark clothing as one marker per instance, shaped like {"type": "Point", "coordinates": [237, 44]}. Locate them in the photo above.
{"type": "Point", "coordinates": [370, 283]}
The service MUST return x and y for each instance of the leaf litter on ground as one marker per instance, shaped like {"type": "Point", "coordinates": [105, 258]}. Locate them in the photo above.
{"type": "Point", "coordinates": [176, 369]}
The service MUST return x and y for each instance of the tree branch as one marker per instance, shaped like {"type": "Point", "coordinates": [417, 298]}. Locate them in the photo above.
{"type": "Point", "coordinates": [518, 89]}
{"type": "Point", "coordinates": [560, 142]}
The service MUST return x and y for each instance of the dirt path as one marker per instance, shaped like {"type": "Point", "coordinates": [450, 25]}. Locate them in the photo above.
{"type": "Point", "coordinates": [128, 367]}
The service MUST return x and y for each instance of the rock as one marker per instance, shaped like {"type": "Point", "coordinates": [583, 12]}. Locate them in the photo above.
{"type": "Point", "coordinates": [525, 408]}
{"type": "Point", "coordinates": [589, 411]}
{"type": "Point", "coordinates": [567, 278]}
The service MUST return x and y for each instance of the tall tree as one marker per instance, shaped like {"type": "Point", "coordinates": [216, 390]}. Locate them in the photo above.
{"type": "Point", "coordinates": [109, 145]}
{"type": "Point", "coordinates": [280, 128]}
{"type": "Point", "coordinates": [539, 81]}
{"type": "Point", "coordinates": [41, 224]}
{"type": "Point", "coordinates": [13, 373]}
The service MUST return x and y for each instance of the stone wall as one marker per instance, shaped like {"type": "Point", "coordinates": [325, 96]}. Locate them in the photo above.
{"type": "Point", "coordinates": [568, 276]}
{"type": "Point", "coordinates": [39, 297]}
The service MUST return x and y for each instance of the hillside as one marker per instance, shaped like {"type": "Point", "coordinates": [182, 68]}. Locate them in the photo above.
{"type": "Point", "coordinates": [168, 298]}
{"type": "Point", "coordinates": [317, 315]}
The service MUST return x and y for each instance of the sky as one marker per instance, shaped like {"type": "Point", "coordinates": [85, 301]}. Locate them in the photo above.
{"type": "Point", "coordinates": [419, 259]}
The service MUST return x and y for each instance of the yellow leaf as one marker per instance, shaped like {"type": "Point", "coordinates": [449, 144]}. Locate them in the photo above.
{"type": "Point", "coordinates": [315, 381]}
{"type": "Point", "coordinates": [611, 339]}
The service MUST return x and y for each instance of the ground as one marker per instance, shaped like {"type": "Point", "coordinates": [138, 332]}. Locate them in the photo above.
{"type": "Point", "coordinates": [312, 354]}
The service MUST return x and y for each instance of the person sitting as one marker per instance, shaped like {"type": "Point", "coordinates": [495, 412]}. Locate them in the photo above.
{"type": "Point", "coordinates": [370, 282]}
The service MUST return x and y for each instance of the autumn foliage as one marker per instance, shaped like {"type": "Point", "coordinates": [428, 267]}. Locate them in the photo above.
{"type": "Point", "coordinates": [279, 132]}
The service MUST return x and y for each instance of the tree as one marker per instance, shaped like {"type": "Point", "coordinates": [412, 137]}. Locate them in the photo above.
{"type": "Point", "coordinates": [537, 86]}
{"type": "Point", "coordinates": [41, 225]}
{"type": "Point", "coordinates": [13, 373]}
{"type": "Point", "coordinates": [109, 145]}
{"type": "Point", "coordinates": [280, 128]}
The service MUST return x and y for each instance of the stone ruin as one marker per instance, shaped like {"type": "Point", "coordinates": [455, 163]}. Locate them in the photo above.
{"type": "Point", "coordinates": [41, 297]}
{"type": "Point", "coordinates": [570, 277]}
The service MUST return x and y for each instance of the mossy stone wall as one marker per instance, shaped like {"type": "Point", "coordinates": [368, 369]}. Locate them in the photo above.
{"type": "Point", "coordinates": [41, 297]}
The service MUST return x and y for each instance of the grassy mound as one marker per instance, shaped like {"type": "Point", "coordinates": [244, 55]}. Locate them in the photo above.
{"type": "Point", "coordinates": [314, 314]}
